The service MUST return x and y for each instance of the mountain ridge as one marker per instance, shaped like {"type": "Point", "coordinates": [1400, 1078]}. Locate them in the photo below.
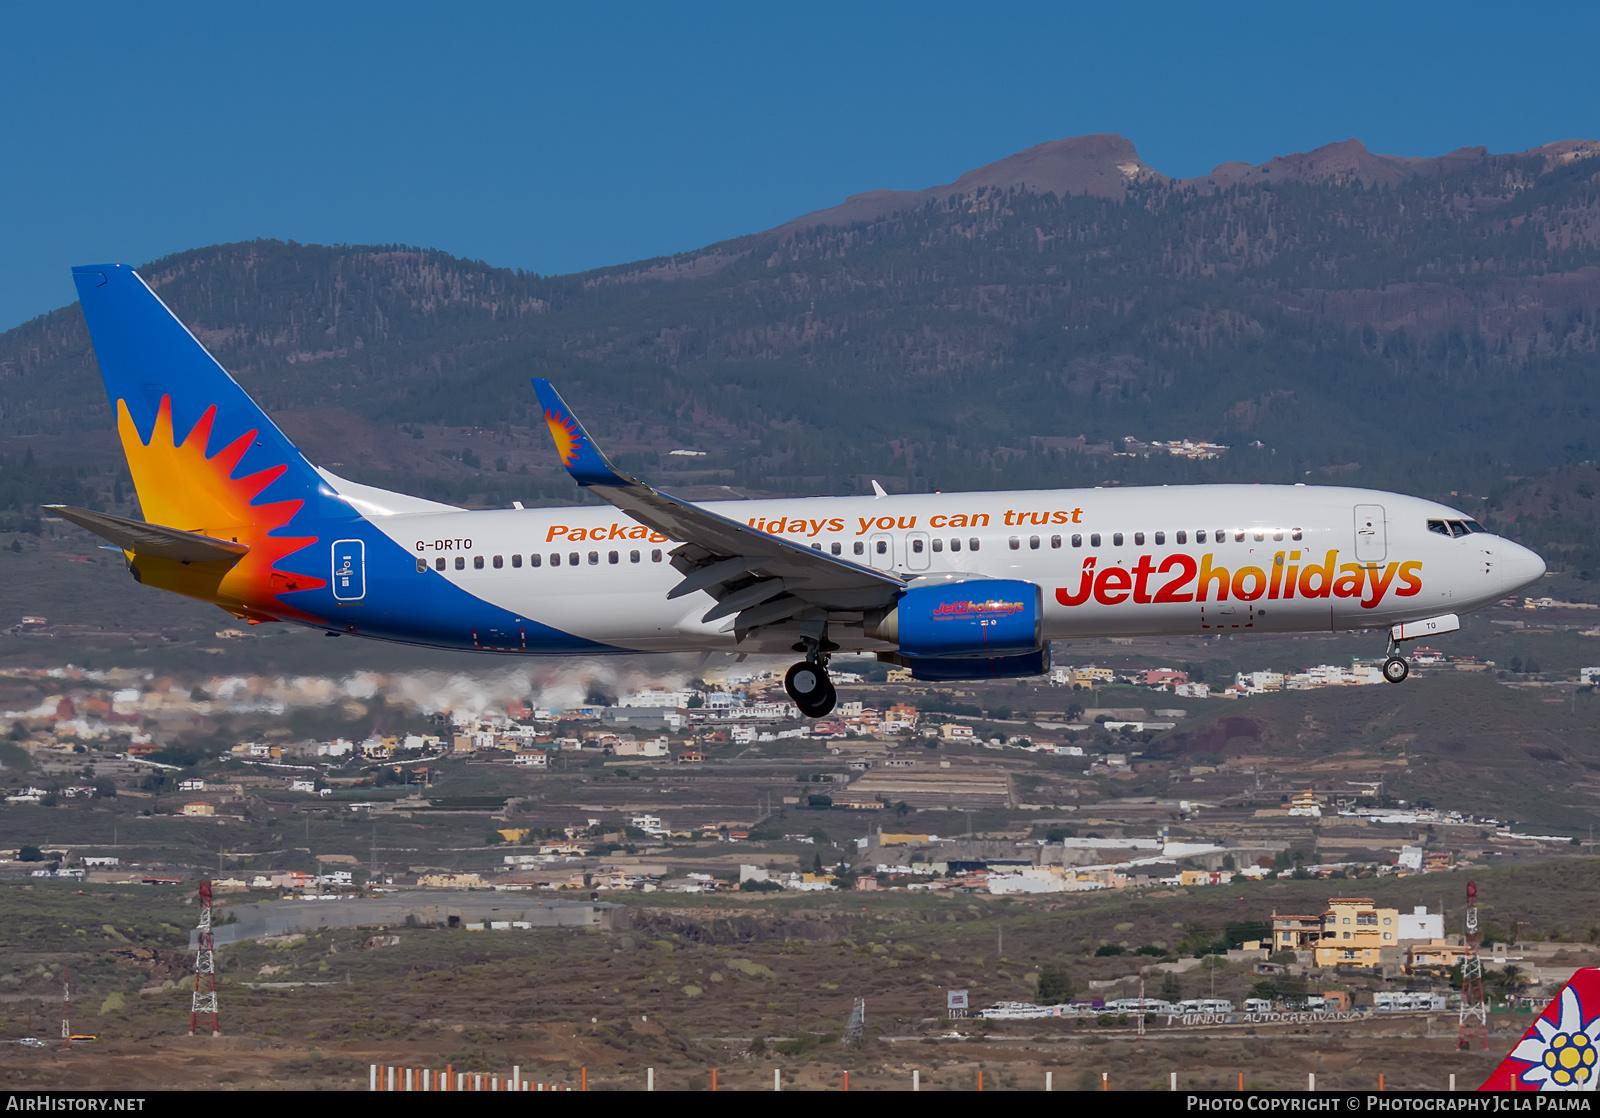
{"type": "Point", "coordinates": [1431, 326]}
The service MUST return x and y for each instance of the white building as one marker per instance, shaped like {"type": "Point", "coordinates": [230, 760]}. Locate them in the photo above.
{"type": "Point", "coordinates": [1411, 859]}
{"type": "Point", "coordinates": [670, 700]}
{"type": "Point", "coordinates": [1192, 690]}
{"type": "Point", "coordinates": [1420, 924]}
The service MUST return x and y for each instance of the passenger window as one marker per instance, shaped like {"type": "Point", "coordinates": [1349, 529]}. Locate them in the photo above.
{"type": "Point", "coordinates": [1094, 539]}
{"type": "Point", "coordinates": [1055, 541]}
{"type": "Point", "coordinates": [1116, 539]}
{"type": "Point", "coordinates": [655, 555]}
{"type": "Point", "coordinates": [1077, 541]}
{"type": "Point", "coordinates": [499, 562]}
{"type": "Point", "coordinates": [1161, 538]}
{"type": "Point", "coordinates": [422, 565]}
{"type": "Point", "coordinates": [572, 558]}
{"type": "Point", "coordinates": [972, 544]}
{"type": "Point", "coordinates": [955, 545]}
{"type": "Point", "coordinates": [1033, 543]}
{"type": "Point", "coordinates": [883, 547]}
{"type": "Point", "coordinates": [1183, 536]}
{"type": "Point", "coordinates": [1258, 535]}
{"type": "Point", "coordinates": [461, 563]}
{"type": "Point", "coordinates": [1200, 536]}
{"type": "Point", "coordinates": [1238, 535]}
{"type": "Point", "coordinates": [1016, 543]}
{"type": "Point", "coordinates": [835, 548]}
{"type": "Point", "coordinates": [594, 558]}
{"type": "Point", "coordinates": [916, 546]}
{"type": "Point", "coordinates": [1277, 534]}
{"type": "Point", "coordinates": [633, 556]}
{"type": "Point", "coordinates": [534, 560]}
{"type": "Point", "coordinates": [516, 560]}
{"type": "Point", "coordinates": [816, 547]}
{"type": "Point", "coordinates": [860, 548]}
{"type": "Point", "coordinates": [938, 545]}
{"type": "Point", "coordinates": [1138, 539]}
{"type": "Point", "coordinates": [613, 557]}
{"type": "Point", "coordinates": [1295, 535]}
{"type": "Point", "coordinates": [555, 559]}
{"type": "Point", "coordinates": [477, 562]}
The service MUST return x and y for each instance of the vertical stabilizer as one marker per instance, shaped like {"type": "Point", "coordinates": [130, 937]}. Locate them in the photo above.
{"type": "Point", "coordinates": [205, 458]}
{"type": "Point", "coordinates": [1559, 1052]}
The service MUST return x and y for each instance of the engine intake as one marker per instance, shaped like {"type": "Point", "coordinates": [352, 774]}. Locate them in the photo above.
{"type": "Point", "coordinates": [977, 619]}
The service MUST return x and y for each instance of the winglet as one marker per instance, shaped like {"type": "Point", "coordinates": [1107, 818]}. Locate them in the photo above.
{"type": "Point", "coordinates": [579, 454]}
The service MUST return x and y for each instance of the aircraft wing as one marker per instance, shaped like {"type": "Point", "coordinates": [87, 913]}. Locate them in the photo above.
{"type": "Point", "coordinates": [153, 540]}
{"type": "Point", "coordinates": [757, 578]}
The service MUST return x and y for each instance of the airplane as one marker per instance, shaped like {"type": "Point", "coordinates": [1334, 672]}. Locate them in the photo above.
{"type": "Point", "coordinates": [952, 586]}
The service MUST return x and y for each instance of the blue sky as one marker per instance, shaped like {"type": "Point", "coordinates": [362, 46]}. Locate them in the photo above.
{"type": "Point", "coordinates": [561, 137]}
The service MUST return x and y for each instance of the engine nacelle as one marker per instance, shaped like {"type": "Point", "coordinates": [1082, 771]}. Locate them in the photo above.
{"type": "Point", "coordinates": [977, 619]}
{"type": "Point", "coordinates": [936, 669]}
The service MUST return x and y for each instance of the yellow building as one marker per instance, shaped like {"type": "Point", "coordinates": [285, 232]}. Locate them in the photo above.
{"type": "Point", "coordinates": [450, 881]}
{"type": "Point", "coordinates": [1354, 930]}
{"type": "Point", "coordinates": [515, 834]}
{"type": "Point", "coordinates": [1435, 955]}
{"type": "Point", "coordinates": [199, 808]}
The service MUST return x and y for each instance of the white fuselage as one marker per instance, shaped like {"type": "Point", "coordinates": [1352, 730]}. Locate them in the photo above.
{"type": "Point", "coordinates": [1112, 562]}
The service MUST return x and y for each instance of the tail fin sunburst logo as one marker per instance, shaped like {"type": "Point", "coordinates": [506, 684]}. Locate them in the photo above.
{"type": "Point", "coordinates": [180, 486]}
{"type": "Point", "coordinates": [564, 429]}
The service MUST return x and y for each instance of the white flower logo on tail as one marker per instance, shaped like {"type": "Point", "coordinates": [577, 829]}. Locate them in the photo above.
{"type": "Point", "coordinates": [1563, 1055]}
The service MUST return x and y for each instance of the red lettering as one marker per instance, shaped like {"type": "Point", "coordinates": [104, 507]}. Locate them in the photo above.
{"type": "Point", "coordinates": [1348, 584]}
{"type": "Point", "coordinates": [1209, 574]}
{"type": "Point", "coordinates": [1324, 573]}
{"type": "Point", "coordinates": [1408, 576]}
{"type": "Point", "coordinates": [1379, 584]}
{"type": "Point", "coordinates": [1186, 567]}
{"type": "Point", "coordinates": [1111, 587]}
{"type": "Point", "coordinates": [1084, 587]}
{"type": "Point", "coordinates": [1257, 580]}
{"type": "Point", "coordinates": [1142, 570]}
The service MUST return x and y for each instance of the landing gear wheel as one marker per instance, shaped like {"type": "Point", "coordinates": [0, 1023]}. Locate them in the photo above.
{"type": "Point", "coordinates": [811, 689]}
{"type": "Point", "coordinates": [1395, 669]}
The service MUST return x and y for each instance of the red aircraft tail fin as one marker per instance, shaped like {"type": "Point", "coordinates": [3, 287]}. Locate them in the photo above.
{"type": "Point", "coordinates": [1561, 1052]}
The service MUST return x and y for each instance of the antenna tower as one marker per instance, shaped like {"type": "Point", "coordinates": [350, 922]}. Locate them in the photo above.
{"type": "Point", "coordinates": [1474, 1010]}
{"type": "Point", "coordinates": [856, 1030]}
{"type": "Point", "coordinates": [205, 970]}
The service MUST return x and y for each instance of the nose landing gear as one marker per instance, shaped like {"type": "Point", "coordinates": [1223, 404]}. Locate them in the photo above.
{"type": "Point", "coordinates": [1395, 668]}
{"type": "Point", "coordinates": [809, 686]}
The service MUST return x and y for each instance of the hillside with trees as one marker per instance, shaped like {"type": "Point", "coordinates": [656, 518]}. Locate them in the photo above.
{"type": "Point", "coordinates": [1421, 325]}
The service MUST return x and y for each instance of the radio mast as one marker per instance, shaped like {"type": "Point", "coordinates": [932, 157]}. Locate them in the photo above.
{"type": "Point", "coordinates": [1474, 1010]}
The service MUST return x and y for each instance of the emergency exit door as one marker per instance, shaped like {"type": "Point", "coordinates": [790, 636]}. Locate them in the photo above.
{"type": "Point", "coordinates": [349, 570]}
{"type": "Point", "coordinates": [1372, 541]}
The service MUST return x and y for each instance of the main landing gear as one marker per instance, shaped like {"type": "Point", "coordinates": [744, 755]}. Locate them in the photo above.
{"type": "Point", "coordinates": [809, 686]}
{"type": "Point", "coordinates": [1395, 668]}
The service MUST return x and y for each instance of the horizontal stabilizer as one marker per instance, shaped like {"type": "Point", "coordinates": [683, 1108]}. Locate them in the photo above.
{"type": "Point", "coordinates": [151, 540]}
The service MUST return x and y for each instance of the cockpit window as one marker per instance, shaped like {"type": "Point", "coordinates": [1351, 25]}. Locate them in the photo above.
{"type": "Point", "coordinates": [1474, 526]}
{"type": "Point", "coordinates": [1439, 526]}
{"type": "Point", "coordinates": [1455, 528]}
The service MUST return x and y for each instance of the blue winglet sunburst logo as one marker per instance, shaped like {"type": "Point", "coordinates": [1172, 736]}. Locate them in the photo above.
{"type": "Point", "coordinates": [579, 455]}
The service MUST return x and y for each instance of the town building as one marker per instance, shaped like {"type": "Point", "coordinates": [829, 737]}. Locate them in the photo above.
{"type": "Point", "coordinates": [1354, 932]}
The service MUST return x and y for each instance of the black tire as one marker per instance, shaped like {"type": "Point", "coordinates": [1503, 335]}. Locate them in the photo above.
{"type": "Point", "coordinates": [1395, 670]}
{"type": "Point", "coordinates": [822, 705]}
{"type": "Point", "coordinates": [805, 683]}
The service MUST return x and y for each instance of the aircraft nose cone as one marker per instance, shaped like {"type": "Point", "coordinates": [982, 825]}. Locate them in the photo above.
{"type": "Point", "coordinates": [1519, 567]}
